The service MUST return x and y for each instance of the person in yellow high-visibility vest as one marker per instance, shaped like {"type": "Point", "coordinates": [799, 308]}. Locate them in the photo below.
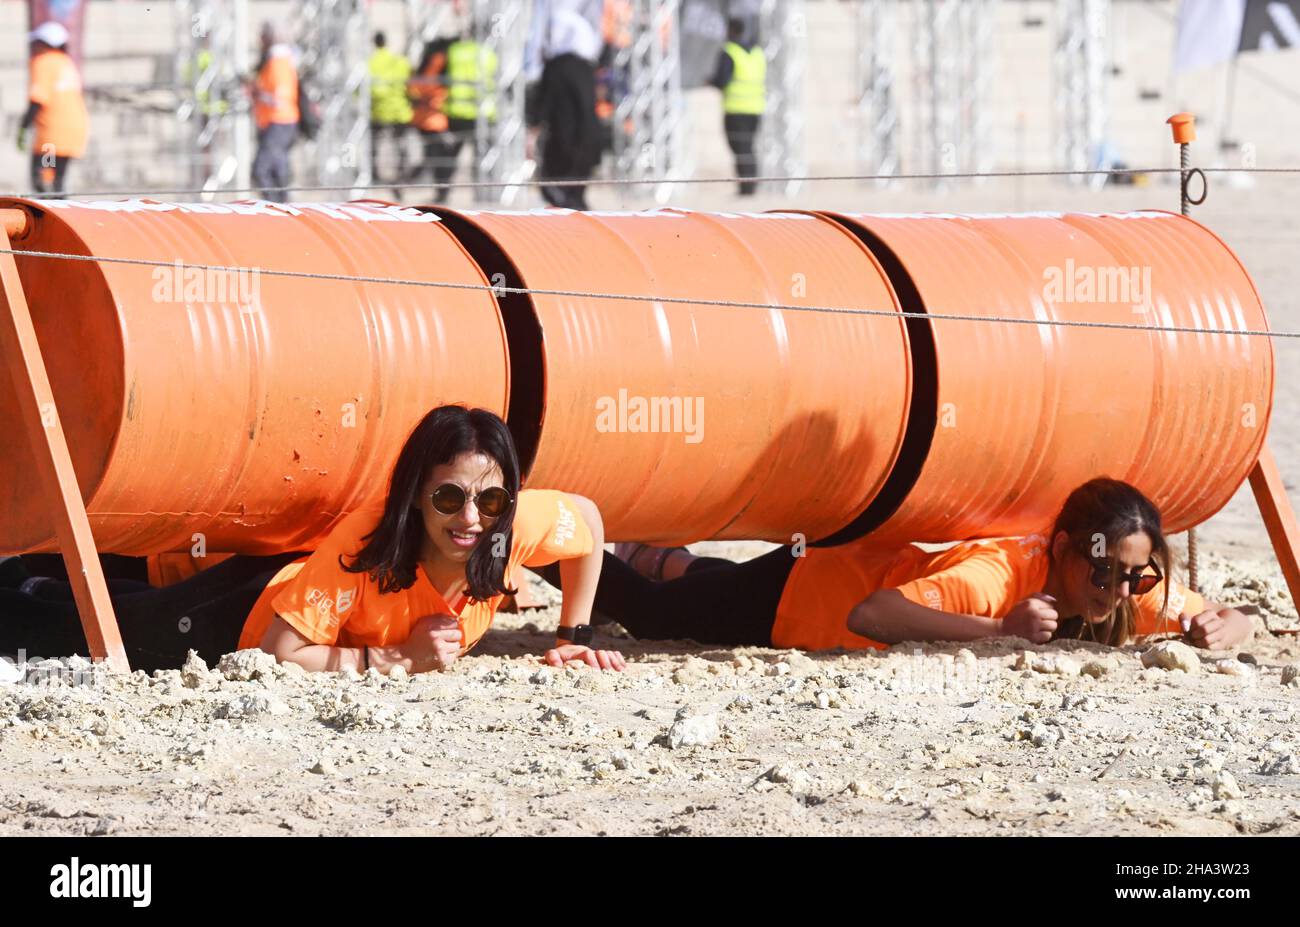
{"type": "Point", "coordinates": [471, 84]}
{"type": "Point", "coordinates": [390, 108]}
{"type": "Point", "coordinates": [741, 75]}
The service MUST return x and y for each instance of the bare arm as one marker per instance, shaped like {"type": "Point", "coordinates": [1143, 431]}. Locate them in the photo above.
{"type": "Point", "coordinates": [287, 645]}
{"type": "Point", "coordinates": [579, 575]}
{"type": "Point", "coordinates": [888, 616]}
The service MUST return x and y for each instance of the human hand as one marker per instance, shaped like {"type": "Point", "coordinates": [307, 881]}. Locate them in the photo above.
{"type": "Point", "coordinates": [599, 659]}
{"type": "Point", "coordinates": [434, 643]}
{"type": "Point", "coordinates": [1211, 630]}
{"type": "Point", "coordinates": [1033, 618]}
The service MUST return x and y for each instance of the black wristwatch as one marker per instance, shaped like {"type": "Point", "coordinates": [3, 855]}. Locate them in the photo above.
{"type": "Point", "coordinates": [579, 634]}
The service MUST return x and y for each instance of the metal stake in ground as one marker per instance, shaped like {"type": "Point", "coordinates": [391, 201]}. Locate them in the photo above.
{"type": "Point", "coordinates": [1184, 129]}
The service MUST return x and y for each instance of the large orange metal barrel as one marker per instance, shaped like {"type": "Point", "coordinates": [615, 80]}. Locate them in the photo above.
{"type": "Point", "coordinates": [1018, 415]}
{"type": "Point", "coordinates": [190, 407]}
{"type": "Point", "coordinates": [770, 422]}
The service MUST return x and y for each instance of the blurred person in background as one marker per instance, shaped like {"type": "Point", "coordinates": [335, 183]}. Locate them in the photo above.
{"type": "Point", "coordinates": [427, 89]}
{"type": "Point", "coordinates": [55, 107]}
{"type": "Point", "coordinates": [390, 107]}
{"type": "Point", "coordinates": [276, 113]}
{"type": "Point", "coordinates": [564, 44]}
{"type": "Point", "coordinates": [741, 75]}
{"type": "Point", "coordinates": [469, 75]}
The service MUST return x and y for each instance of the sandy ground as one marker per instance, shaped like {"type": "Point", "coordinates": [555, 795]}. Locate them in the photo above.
{"type": "Point", "coordinates": [994, 738]}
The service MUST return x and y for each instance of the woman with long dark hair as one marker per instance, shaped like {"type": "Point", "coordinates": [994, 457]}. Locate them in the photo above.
{"type": "Point", "coordinates": [413, 580]}
{"type": "Point", "coordinates": [1102, 573]}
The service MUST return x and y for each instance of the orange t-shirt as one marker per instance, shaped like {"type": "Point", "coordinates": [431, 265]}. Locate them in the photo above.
{"type": "Point", "coordinates": [62, 121]}
{"type": "Point", "coordinates": [984, 578]}
{"type": "Point", "coordinates": [276, 92]}
{"type": "Point", "coordinates": [328, 605]}
{"type": "Point", "coordinates": [172, 568]}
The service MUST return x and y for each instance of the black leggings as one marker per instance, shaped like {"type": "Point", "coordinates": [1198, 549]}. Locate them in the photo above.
{"type": "Point", "coordinates": [715, 602]}
{"type": "Point", "coordinates": [155, 632]}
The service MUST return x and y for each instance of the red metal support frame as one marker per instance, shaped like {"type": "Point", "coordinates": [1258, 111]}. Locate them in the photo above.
{"type": "Point", "coordinates": [1279, 518]}
{"type": "Point", "coordinates": [21, 353]}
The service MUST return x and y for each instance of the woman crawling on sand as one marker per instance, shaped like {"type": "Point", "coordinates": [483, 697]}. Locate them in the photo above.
{"type": "Point", "coordinates": [1101, 574]}
{"type": "Point", "coordinates": [413, 580]}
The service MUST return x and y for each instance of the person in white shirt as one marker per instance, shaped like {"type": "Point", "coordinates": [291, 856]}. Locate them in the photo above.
{"type": "Point", "coordinates": [564, 43]}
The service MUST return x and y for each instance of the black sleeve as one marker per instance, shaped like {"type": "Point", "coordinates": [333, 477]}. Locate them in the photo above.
{"type": "Point", "coordinates": [533, 103]}
{"type": "Point", "coordinates": [722, 71]}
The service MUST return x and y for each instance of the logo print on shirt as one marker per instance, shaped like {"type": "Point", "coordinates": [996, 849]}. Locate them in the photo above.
{"type": "Point", "coordinates": [321, 602]}
{"type": "Point", "coordinates": [344, 599]}
{"type": "Point", "coordinates": [565, 527]}
{"type": "Point", "coordinates": [1031, 545]}
{"type": "Point", "coordinates": [933, 598]}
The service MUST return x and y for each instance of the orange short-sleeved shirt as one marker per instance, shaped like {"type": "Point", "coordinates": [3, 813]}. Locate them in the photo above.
{"type": "Point", "coordinates": [62, 121]}
{"type": "Point", "coordinates": [328, 605]}
{"type": "Point", "coordinates": [277, 92]}
{"type": "Point", "coordinates": [984, 578]}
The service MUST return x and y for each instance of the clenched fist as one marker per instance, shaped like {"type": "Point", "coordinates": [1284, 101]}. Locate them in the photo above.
{"type": "Point", "coordinates": [434, 643]}
{"type": "Point", "coordinates": [1033, 618]}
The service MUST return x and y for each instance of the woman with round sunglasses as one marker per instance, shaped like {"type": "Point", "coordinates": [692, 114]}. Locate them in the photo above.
{"type": "Point", "coordinates": [416, 579]}
{"type": "Point", "coordinates": [413, 580]}
{"type": "Point", "coordinates": [1100, 574]}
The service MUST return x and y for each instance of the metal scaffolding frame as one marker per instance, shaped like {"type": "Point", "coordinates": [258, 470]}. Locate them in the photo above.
{"type": "Point", "coordinates": [1081, 84]}
{"type": "Point", "coordinates": [650, 123]}
{"type": "Point", "coordinates": [425, 21]}
{"type": "Point", "coordinates": [978, 26]}
{"type": "Point", "coordinates": [500, 27]}
{"type": "Point", "coordinates": [878, 137]}
{"type": "Point", "coordinates": [783, 30]}
{"type": "Point", "coordinates": [213, 108]}
{"type": "Point", "coordinates": [952, 50]}
{"type": "Point", "coordinates": [333, 39]}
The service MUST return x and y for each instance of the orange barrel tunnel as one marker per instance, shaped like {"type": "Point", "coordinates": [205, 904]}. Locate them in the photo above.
{"type": "Point", "coordinates": [251, 408]}
{"type": "Point", "coordinates": [683, 420]}
{"type": "Point", "coordinates": [686, 421]}
{"type": "Point", "coordinates": [1010, 418]}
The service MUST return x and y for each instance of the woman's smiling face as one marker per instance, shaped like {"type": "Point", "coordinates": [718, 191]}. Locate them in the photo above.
{"type": "Point", "coordinates": [453, 538]}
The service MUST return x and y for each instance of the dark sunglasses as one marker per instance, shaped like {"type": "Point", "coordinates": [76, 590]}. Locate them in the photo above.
{"type": "Point", "coordinates": [1139, 580]}
{"type": "Point", "coordinates": [448, 499]}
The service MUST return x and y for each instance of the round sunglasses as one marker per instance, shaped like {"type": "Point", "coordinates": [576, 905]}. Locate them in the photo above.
{"type": "Point", "coordinates": [449, 498]}
{"type": "Point", "coordinates": [1139, 580]}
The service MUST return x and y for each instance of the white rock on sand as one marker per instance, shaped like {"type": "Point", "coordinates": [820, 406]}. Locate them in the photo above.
{"type": "Point", "coordinates": [698, 731]}
{"type": "Point", "coordinates": [1172, 655]}
{"type": "Point", "coordinates": [245, 665]}
{"type": "Point", "coordinates": [1054, 664]}
{"type": "Point", "coordinates": [195, 673]}
{"type": "Point", "coordinates": [9, 673]}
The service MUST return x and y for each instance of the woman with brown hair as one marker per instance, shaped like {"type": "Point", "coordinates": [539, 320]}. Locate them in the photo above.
{"type": "Point", "coordinates": [1101, 573]}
